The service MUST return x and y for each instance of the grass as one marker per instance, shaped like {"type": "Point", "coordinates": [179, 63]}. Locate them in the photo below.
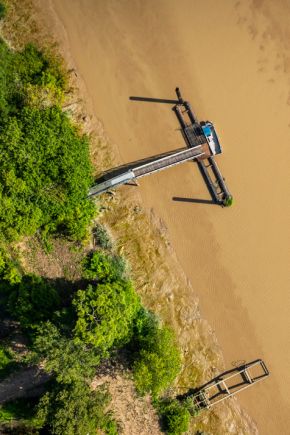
{"type": "Point", "coordinates": [2, 10]}
{"type": "Point", "coordinates": [7, 362]}
{"type": "Point", "coordinates": [21, 409]}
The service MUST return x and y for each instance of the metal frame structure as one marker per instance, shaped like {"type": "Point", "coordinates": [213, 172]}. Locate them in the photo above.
{"type": "Point", "coordinates": [228, 384]}
{"type": "Point", "coordinates": [202, 145]}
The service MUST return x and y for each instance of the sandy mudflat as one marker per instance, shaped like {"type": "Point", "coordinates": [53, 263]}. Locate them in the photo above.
{"type": "Point", "coordinates": [232, 62]}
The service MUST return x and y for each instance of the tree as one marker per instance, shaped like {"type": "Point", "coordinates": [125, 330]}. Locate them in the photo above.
{"type": "Point", "coordinates": [67, 360]}
{"type": "Point", "coordinates": [105, 314]}
{"type": "Point", "coordinates": [32, 299]}
{"type": "Point", "coordinates": [175, 417]}
{"type": "Point", "coordinates": [157, 359]}
{"type": "Point", "coordinates": [45, 174]}
{"type": "Point", "coordinates": [45, 170]}
{"type": "Point", "coordinates": [74, 409]}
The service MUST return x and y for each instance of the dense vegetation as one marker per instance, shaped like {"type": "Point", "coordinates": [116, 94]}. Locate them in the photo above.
{"type": "Point", "coordinates": [2, 10]}
{"type": "Point", "coordinates": [45, 170]}
{"type": "Point", "coordinates": [73, 335]}
{"type": "Point", "coordinates": [74, 409]}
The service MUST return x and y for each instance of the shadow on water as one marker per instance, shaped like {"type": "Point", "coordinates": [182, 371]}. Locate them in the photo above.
{"type": "Point", "coordinates": [154, 100]}
{"type": "Point", "coordinates": [113, 172]}
{"type": "Point", "coordinates": [194, 200]}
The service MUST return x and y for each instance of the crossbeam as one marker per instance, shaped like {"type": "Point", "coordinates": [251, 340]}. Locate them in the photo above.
{"type": "Point", "coordinates": [229, 384]}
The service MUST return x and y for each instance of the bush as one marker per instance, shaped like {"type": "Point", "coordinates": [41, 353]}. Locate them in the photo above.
{"type": "Point", "coordinates": [68, 361]}
{"type": "Point", "coordinates": [19, 409]}
{"type": "Point", "coordinates": [9, 270]}
{"type": "Point", "coordinates": [157, 361]}
{"type": "Point", "coordinates": [32, 300]}
{"type": "Point", "coordinates": [175, 417]}
{"type": "Point", "coordinates": [102, 237]}
{"type": "Point", "coordinates": [228, 201]}
{"type": "Point", "coordinates": [2, 10]}
{"type": "Point", "coordinates": [7, 362]}
{"type": "Point", "coordinates": [105, 314]}
{"type": "Point", "coordinates": [73, 409]}
{"type": "Point", "coordinates": [104, 268]}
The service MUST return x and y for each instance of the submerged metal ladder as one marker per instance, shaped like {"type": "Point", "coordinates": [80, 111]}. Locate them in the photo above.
{"type": "Point", "coordinates": [228, 384]}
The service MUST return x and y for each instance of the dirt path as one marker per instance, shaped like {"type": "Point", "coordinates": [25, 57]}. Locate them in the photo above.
{"type": "Point", "coordinates": [134, 415]}
{"type": "Point", "coordinates": [232, 62]}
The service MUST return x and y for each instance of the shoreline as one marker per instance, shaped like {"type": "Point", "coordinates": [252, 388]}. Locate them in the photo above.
{"type": "Point", "coordinates": [237, 300]}
{"type": "Point", "coordinates": [204, 334]}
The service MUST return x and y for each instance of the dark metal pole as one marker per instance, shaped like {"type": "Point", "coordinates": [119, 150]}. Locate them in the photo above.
{"type": "Point", "coordinates": [179, 116]}
{"type": "Point", "coordinates": [190, 112]}
{"type": "Point", "coordinates": [178, 93]}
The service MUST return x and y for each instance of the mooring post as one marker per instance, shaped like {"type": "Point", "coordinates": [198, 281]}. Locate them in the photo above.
{"type": "Point", "coordinates": [178, 93]}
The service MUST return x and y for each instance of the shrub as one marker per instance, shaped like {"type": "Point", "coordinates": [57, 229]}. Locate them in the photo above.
{"type": "Point", "coordinates": [73, 409]}
{"type": "Point", "coordinates": [6, 361]}
{"type": "Point", "coordinates": [228, 201]}
{"type": "Point", "coordinates": [32, 300]}
{"type": "Point", "coordinates": [102, 237]}
{"type": "Point", "coordinates": [2, 10]}
{"type": "Point", "coordinates": [157, 361]}
{"type": "Point", "coordinates": [175, 417]}
{"type": "Point", "coordinates": [104, 268]}
{"type": "Point", "coordinates": [19, 409]}
{"type": "Point", "coordinates": [105, 314]}
{"type": "Point", "coordinates": [68, 361]}
{"type": "Point", "coordinates": [9, 270]}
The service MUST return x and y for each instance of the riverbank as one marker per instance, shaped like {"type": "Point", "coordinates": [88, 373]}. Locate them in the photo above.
{"type": "Point", "coordinates": [144, 237]}
{"type": "Point", "coordinates": [236, 75]}
{"type": "Point", "coordinates": [118, 52]}
{"type": "Point", "coordinates": [64, 263]}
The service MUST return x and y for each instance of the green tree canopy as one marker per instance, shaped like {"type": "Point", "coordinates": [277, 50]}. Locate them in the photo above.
{"type": "Point", "coordinates": [105, 314]}
{"type": "Point", "coordinates": [44, 174]}
{"type": "Point", "coordinates": [45, 171]}
{"type": "Point", "coordinates": [69, 361]}
{"type": "Point", "coordinates": [157, 360]}
{"type": "Point", "coordinates": [74, 409]}
{"type": "Point", "coordinates": [32, 300]}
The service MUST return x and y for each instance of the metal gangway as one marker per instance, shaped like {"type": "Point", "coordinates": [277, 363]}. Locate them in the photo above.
{"type": "Point", "coordinates": [202, 145]}
{"type": "Point", "coordinates": [158, 164]}
{"type": "Point", "coordinates": [227, 384]}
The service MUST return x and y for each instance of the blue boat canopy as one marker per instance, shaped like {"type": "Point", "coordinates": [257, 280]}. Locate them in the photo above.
{"type": "Point", "coordinates": [212, 138]}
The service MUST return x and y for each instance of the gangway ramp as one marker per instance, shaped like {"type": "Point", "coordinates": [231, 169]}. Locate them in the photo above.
{"type": "Point", "coordinates": [158, 164]}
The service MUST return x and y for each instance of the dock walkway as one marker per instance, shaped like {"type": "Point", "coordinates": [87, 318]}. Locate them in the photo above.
{"type": "Point", "coordinates": [160, 163]}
